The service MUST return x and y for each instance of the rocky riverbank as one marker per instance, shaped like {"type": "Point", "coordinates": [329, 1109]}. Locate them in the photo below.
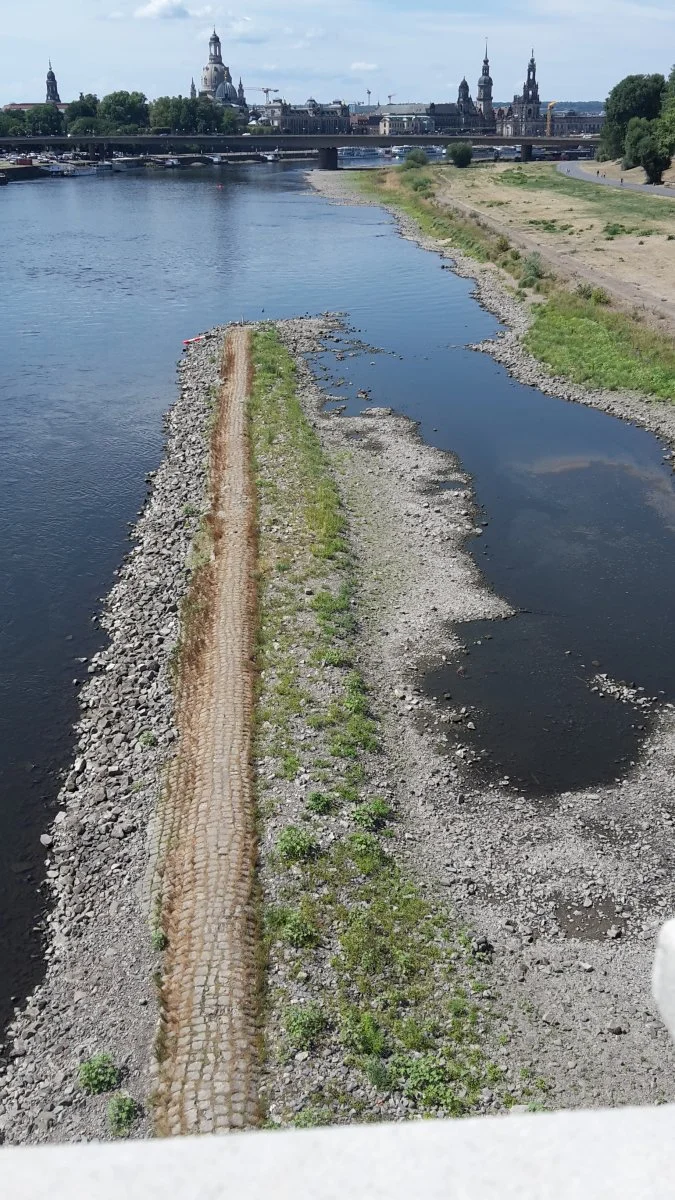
{"type": "Point", "coordinates": [98, 995]}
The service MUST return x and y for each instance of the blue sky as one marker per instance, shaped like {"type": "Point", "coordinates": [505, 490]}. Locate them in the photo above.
{"type": "Point", "coordinates": [333, 50]}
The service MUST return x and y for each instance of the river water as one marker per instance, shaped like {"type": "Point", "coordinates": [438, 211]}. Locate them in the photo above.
{"type": "Point", "coordinates": [102, 278]}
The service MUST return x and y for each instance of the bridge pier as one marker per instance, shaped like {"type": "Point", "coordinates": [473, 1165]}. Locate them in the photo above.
{"type": "Point", "coordinates": [526, 152]}
{"type": "Point", "coordinates": [328, 158]}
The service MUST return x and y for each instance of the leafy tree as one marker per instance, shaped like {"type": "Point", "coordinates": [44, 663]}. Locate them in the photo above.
{"type": "Point", "coordinates": [416, 158]}
{"type": "Point", "coordinates": [12, 124]}
{"type": "Point", "coordinates": [84, 127]}
{"type": "Point", "coordinates": [44, 119]}
{"type": "Point", "coordinates": [634, 96]}
{"type": "Point", "coordinates": [185, 116]}
{"type": "Point", "coordinates": [638, 129]}
{"type": "Point", "coordinates": [229, 121]}
{"type": "Point", "coordinates": [86, 106]}
{"type": "Point", "coordinates": [121, 111]}
{"type": "Point", "coordinates": [667, 123]}
{"type": "Point", "coordinates": [644, 148]}
{"type": "Point", "coordinates": [461, 153]}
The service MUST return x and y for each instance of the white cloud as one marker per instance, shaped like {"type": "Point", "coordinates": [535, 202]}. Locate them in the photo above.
{"type": "Point", "coordinates": [163, 10]}
{"type": "Point", "coordinates": [363, 66]}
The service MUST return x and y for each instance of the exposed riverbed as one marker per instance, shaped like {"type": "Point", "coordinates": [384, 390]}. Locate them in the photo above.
{"type": "Point", "coordinates": [578, 505]}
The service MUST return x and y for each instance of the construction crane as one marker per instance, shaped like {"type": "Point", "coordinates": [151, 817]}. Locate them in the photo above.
{"type": "Point", "coordinates": [267, 90]}
{"type": "Point", "coordinates": [390, 97]}
{"type": "Point", "coordinates": [368, 94]}
{"type": "Point", "coordinates": [549, 116]}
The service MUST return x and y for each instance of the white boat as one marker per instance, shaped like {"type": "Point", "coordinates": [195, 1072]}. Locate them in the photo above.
{"type": "Point", "coordinates": [170, 164]}
{"type": "Point", "coordinates": [271, 155]}
{"type": "Point", "coordinates": [70, 170]}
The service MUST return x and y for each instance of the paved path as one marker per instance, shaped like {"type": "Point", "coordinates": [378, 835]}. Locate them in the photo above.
{"type": "Point", "coordinates": [208, 1074]}
{"type": "Point", "coordinates": [576, 172]}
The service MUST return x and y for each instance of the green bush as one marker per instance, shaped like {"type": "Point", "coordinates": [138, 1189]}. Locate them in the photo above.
{"type": "Point", "coordinates": [299, 931]}
{"type": "Point", "coordinates": [319, 803]}
{"type": "Point", "coordinates": [304, 1025]}
{"type": "Point", "coordinates": [461, 154]}
{"type": "Point", "coordinates": [122, 1112]}
{"type": "Point", "coordinates": [378, 1074]}
{"type": "Point", "coordinates": [373, 815]}
{"type": "Point", "coordinates": [362, 1033]}
{"type": "Point", "coordinates": [98, 1074]}
{"type": "Point", "coordinates": [159, 940]}
{"type": "Point", "coordinates": [415, 158]}
{"type": "Point", "coordinates": [533, 266]}
{"type": "Point", "coordinates": [366, 852]}
{"type": "Point", "coordinates": [295, 845]}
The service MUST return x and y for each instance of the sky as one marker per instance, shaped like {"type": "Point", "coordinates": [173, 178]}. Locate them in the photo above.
{"type": "Point", "coordinates": [417, 51]}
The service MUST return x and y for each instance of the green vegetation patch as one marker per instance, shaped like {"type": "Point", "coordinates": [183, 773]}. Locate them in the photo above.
{"type": "Point", "coordinates": [388, 982]}
{"type": "Point", "coordinates": [98, 1074]}
{"type": "Point", "coordinates": [122, 1113]}
{"type": "Point", "coordinates": [583, 338]}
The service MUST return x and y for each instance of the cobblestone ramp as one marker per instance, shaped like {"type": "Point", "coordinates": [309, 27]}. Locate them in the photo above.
{"type": "Point", "coordinates": [207, 1041]}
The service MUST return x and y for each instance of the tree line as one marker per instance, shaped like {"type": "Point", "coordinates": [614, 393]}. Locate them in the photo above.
{"type": "Point", "coordinates": [120, 113]}
{"type": "Point", "coordinates": [640, 124]}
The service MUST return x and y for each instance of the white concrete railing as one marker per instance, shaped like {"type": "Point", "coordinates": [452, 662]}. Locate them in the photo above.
{"type": "Point", "coordinates": [619, 1154]}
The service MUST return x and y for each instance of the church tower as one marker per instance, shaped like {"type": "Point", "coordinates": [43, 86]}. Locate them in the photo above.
{"type": "Point", "coordinates": [193, 91]}
{"type": "Point", "coordinates": [484, 94]}
{"type": "Point", "coordinates": [241, 96]}
{"type": "Point", "coordinates": [52, 87]}
{"type": "Point", "coordinates": [531, 101]}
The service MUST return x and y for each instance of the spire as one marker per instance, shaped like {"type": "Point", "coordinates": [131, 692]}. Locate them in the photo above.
{"type": "Point", "coordinates": [52, 87]}
{"type": "Point", "coordinates": [193, 91]}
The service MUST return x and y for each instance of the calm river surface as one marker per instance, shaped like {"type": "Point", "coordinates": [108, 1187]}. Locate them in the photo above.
{"type": "Point", "coordinates": [101, 281]}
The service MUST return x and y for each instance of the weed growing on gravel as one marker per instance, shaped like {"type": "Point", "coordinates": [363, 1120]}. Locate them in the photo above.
{"type": "Point", "coordinates": [373, 815]}
{"type": "Point", "coordinates": [300, 931]}
{"type": "Point", "coordinates": [295, 845]}
{"type": "Point", "coordinates": [320, 804]}
{"type": "Point", "coordinates": [158, 940]}
{"type": "Point", "coordinates": [147, 738]}
{"type": "Point", "coordinates": [98, 1074]}
{"type": "Point", "coordinates": [122, 1112]}
{"type": "Point", "coordinates": [304, 1025]}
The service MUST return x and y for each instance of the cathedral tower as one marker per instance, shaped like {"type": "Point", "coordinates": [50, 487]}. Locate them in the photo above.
{"type": "Point", "coordinates": [531, 101]}
{"type": "Point", "coordinates": [52, 87]}
{"type": "Point", "coordinates": [484, 94]}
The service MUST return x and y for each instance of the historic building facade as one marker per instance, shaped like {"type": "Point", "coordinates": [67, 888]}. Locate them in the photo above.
{"type": "Point", "coordinates": [308, 118]}
{"type": "Point", "coordinates": [217, 84]}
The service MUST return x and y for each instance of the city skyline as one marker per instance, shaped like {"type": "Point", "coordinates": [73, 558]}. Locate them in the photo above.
{"type": "Point", "coordinates": [583, 48]}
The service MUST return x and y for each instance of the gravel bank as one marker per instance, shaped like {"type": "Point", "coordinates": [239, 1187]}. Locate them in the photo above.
{"type": "Point", "coordinates": [98, 994]}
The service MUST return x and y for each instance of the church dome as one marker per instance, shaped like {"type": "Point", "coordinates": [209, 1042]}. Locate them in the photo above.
{"type": "Point", "coordinates": [226, 93]}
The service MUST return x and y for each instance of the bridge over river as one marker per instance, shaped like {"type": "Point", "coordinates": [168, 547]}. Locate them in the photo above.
{"type": "Point", "coordinates": [326, 144]}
